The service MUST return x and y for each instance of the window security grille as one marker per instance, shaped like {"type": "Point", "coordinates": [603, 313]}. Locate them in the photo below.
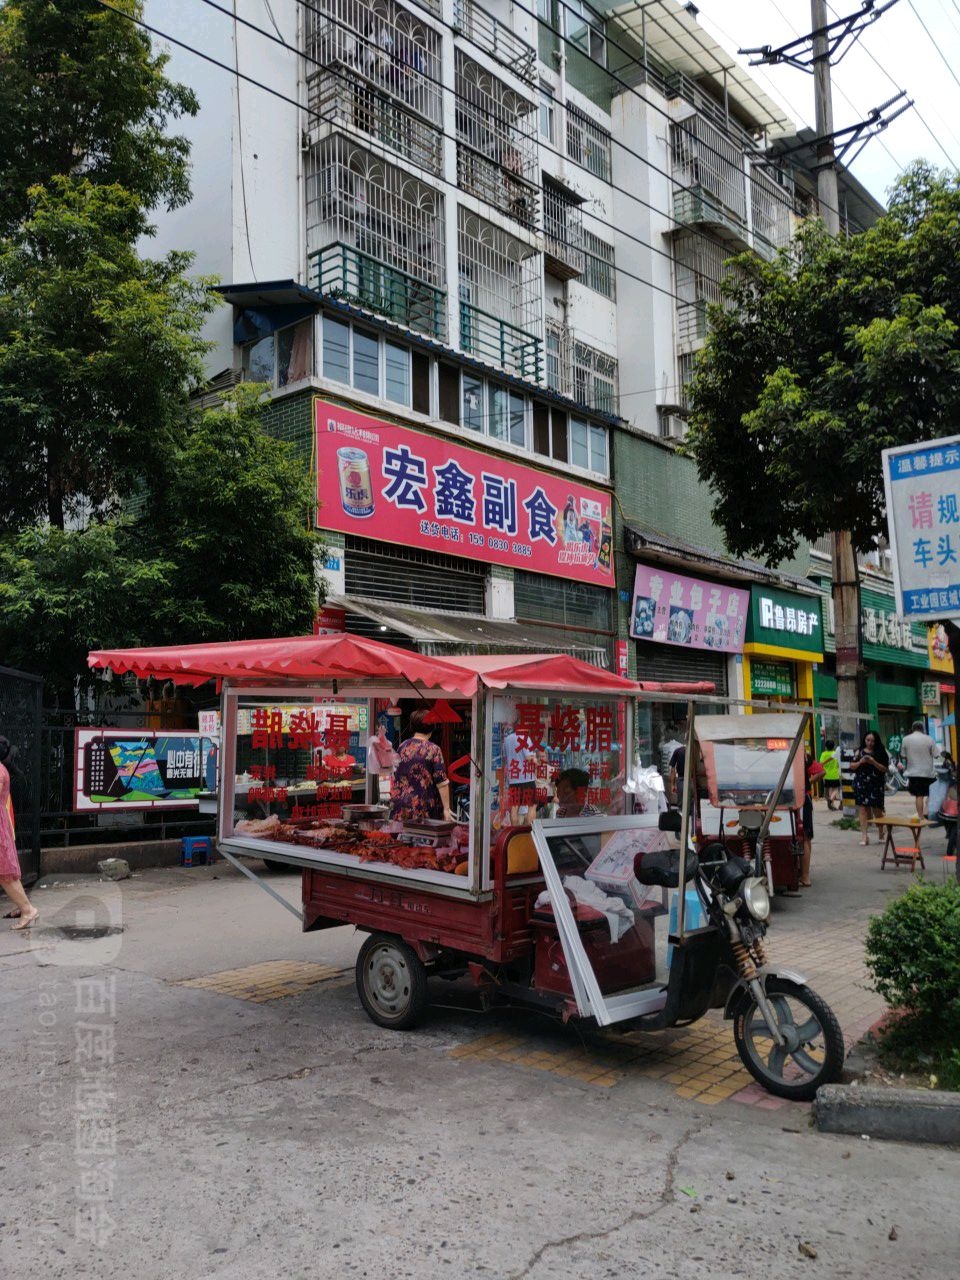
{"type": "Point", "coordinates": [375, 236]}
{"type": "Point", "coordinates": [700, 265]}
{"type": "Point", "coordinates": [568, 604]}
{"type": "Point", "coordinates": [599, 272]}
{"type": "Point", "coordinates": [496, 142]}
{"type": "Point", "coordinates": [588, 144]}
{"type": "Point", "coordinates": [381, 43]}
{"type": "Point", "coordinates": [708, 168]}
{"type": "Point", "coordinates": [562, 231]}
{"type": "Point", "coordinates": [500, 297]}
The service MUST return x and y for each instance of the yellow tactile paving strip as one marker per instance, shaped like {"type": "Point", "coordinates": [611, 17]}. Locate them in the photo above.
{"type": "Point", "coordinates": [701, 1061]}
{"type": "Point", "coordinates": [271, 980]}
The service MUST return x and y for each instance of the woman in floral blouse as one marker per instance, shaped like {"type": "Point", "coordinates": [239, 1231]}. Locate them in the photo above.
{"type": "Point", "coordinates": [420, 788]}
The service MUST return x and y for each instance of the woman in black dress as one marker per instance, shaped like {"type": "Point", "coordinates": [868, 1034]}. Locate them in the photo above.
{"type": "Point", "coordinates": [869, 767]}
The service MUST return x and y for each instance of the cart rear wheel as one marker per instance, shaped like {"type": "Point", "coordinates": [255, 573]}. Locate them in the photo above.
{"type": "Point", "coordinates": [391, 982]}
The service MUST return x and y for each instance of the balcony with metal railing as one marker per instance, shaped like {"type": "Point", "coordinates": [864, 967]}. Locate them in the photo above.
{"type": "Point", "coordinates": [562, 232]}
{"type": "Point", "coordinates": [340, 271]}
{"type": "Point", "coordinates": [499, 343]}
{"type": "Point", "coordinates": [378, 65]}
{"type": "Point", "coordinates": [496, 143]}
{"type": "Point", "coordinates": [343, 101]}
{"type": "Point", "coordinates": [710, 181]}
{"type": "Point", "coordinates": [771, 203]}
{"type": "Point", "coordinates": [497, 39]}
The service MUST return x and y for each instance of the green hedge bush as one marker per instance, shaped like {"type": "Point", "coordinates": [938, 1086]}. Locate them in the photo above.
{"type": "Point", "coordinates": [913, 953]}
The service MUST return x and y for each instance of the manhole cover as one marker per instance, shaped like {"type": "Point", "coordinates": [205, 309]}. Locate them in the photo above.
{"type": "Point", "coordinates": [77, 931]}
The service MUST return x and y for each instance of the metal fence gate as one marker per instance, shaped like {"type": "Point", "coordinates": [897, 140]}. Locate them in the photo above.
{"type": "Point", "coordinates": [21, 698]}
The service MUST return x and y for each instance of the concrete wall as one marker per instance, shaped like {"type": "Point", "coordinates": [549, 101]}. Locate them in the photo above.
{"type": "Point", "coordinates": [263, 192]}
{"type": "Point", "coordinates": [645, 307]}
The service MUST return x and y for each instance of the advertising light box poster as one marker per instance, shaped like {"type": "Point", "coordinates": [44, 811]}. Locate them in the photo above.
{"type": "Point", "coordinates": [141, 769]}
{"type": "Point", "coordinates": [387, 482]}
{"type": "Point", "coordinates": [669, 608]}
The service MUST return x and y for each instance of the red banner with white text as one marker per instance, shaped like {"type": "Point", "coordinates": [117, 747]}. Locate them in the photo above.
{"type": "Point", "coordinates": [392, 483]}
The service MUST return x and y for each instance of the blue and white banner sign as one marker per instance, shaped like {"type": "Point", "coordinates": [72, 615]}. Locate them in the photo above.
{"type": "Point", "coordinates": [922, 485]}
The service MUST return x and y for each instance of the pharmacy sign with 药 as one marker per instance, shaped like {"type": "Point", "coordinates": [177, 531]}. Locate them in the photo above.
{"type": "Point", "coordinates": [922, 485]}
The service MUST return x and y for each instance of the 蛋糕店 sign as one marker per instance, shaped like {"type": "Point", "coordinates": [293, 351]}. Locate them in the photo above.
{"type": "Point", "coordinates": [673, 609]}
{"type": "Point", "coordinates": [392, 483]}
{"type": "Point", "coordinates": [922, 486]}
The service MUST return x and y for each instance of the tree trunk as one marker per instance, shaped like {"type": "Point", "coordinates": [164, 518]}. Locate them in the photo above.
{"type": "Point", "coordinates": [846, 625]}
{"type": "Point", "coordinates": [55, 503]}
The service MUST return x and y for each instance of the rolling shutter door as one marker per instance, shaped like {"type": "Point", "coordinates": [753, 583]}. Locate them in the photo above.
{"type": "Point", "coordinates": [671, 662]}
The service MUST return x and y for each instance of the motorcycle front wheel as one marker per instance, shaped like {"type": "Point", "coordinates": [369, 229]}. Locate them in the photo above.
{"type": "Point", "coordinates": [812, 1052]}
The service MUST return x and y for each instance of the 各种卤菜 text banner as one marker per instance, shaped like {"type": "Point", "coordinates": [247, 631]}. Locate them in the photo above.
{"type": "Point", "coordinates": [673, 609]}
{"type": "Point", "coordinates": [392, 483]}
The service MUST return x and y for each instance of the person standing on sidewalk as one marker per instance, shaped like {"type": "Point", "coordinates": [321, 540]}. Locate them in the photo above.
{"type": "Point", "coordinates": [830, 760]}
{"type": "Point", "coordinates": [9, 862]}
{"type": "Point", "coordinates": [869, 768]}
{"type": "Point", "coordinates": [919, 751]}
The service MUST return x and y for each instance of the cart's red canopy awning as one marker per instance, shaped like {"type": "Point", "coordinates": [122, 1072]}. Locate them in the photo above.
{"type": "Point", "coordinates": [302, 658]}
{"type": "Point", "coordinates": [347, 657]}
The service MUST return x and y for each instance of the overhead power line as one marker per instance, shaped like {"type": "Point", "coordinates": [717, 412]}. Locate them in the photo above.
{"type": "Point", "coordinates": [940, 53]}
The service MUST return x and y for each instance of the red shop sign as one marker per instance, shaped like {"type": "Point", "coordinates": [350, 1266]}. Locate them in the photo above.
{"type": "Point", "coordinates": [329, 621]}
{"type": "Point", "coordinates": [388, 482]}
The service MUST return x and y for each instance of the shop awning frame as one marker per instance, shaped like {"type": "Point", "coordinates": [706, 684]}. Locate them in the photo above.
{"type": "Point", "coordinates": [449, 635]}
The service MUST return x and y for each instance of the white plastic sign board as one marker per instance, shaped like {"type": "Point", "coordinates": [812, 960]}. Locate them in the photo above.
{"type": "Point", "coordinates": [922, 486]}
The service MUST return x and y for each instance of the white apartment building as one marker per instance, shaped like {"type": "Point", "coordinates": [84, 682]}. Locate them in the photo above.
{"type": "Point", "coordinates": [498, 222]}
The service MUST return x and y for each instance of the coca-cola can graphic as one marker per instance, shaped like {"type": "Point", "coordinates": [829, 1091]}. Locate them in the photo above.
{"type": "Point", "coordinates": [356, 489]}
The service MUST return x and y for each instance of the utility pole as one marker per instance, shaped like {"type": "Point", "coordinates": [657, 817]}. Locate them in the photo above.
{"type": "Point", "coordinates": [844, 572]}
{"type": "Point", "coordinates": [813, 52]}
{"type": "Point", "coordinates": [826, 173]}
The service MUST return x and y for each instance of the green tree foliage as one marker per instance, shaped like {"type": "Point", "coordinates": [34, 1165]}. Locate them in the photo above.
{"type": "Point", "coordinates": [818, 360]}
{"type": "Point", "coordinates": [97, 349]}
{"type": "Point", "coordinates": [82, 95]}
{"type": "Point", "coordinates": [234, 508]}
{"type": "Point", "coordinates": [63, 593]}
{"type": "Point", "coordinates": [220, 548]}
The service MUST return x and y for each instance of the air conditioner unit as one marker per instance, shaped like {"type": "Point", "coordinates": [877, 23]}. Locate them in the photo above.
{"type": "Point", "coordinates": [672, 426]}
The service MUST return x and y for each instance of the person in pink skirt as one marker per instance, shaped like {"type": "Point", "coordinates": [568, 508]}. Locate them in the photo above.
{"type": "Point", "coordinates": [9, 862]}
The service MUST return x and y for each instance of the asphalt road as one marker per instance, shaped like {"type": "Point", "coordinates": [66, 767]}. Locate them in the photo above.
{"type": "Point", "coordinates": [160, 1130]}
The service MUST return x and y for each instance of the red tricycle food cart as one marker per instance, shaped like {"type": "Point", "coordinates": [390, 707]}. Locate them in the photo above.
{"type": "Point", "coordinates": [548, 895]}
{"type": "Point", "coordinates": [743, 757]}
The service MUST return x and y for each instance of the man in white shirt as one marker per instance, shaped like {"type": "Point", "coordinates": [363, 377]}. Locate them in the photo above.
{"type": "Point", "coordinates": [918, 752]}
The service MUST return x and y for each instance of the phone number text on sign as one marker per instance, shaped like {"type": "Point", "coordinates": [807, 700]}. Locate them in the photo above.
{"type": "Point", "coordinates": [403, 486]}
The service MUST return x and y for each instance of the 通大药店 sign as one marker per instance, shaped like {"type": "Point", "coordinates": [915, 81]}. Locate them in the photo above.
{"type": "Point", "coordinates": [922, 486]}
{"type": "Point", "coordinates": [785, 620]}
{"type": "Point", "coordinates": [670, 608]}
{"type": "Point", "coordinates": [383, 481]}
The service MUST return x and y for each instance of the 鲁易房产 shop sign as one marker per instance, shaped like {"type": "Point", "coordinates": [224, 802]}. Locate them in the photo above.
{"type": "Point", "coordinates": [670, 608]}
{"type": "Point", "coordinates": [141, 769]}
{"type": "Point", "coordinates": [388, 482]}
{"type": "Point", "coordinates": [922, 486]}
